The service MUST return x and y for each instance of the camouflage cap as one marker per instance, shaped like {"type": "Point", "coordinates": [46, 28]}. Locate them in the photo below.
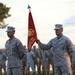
{"type": "Point", "coordinates": [9, 28]}
{"type": "Point", "coordinates": [58, 26]}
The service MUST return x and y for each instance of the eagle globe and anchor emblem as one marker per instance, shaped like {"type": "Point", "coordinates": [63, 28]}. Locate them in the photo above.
{"type": "Point", "coordinates": [30, 32]}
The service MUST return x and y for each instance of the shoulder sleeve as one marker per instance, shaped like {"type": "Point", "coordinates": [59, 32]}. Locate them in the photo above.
{"type": "Point", "coordinates": [20, 49]}
{"type": "Point", "coordinates": [46, 46]}
{"type": "Point", "coordinates": [69, 45]}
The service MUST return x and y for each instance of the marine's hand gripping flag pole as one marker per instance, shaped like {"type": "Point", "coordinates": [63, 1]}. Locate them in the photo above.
{"type": "Point", "coordinates": [32, 35]}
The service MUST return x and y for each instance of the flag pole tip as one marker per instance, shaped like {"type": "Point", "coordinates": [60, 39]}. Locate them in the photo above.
{"type": "Point", "coordinates": [28, 6]}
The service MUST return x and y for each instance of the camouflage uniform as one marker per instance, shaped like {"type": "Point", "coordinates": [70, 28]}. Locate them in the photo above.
{"type": "Point", "coordinates": [24, 63]}
{"type": "Point", "coordinates": [36, 60]}
{"type": "Point", "coordinates": [14, 51]}
{"type": "Point", "coordinates": [49, 56]}
{"type": "Point", "coordinates": [3, 62]}
{"type": "Point", "coordinates": [60, 47]}
{"type": "Point", "coordinates": [30, 61]}
{"type": "Point", "coordinates": [39, 62]}
{"type": "Point", "coordinates": [44, 63]}
{"type": "Point", "coordinates": [73, 61]}
{"type": "Point", "coordinates": [50, 59]}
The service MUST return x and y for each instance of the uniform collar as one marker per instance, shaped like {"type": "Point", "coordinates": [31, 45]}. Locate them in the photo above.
{"type": "Point", "coordinates": [11, 40]}
{"type": "Point", "coordinates": [60, 37]}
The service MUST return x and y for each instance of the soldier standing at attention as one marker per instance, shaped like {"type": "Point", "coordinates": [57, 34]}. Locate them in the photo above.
{"type": "Point", "coordinates": [61, 46]}
{"type": "Point", "coordinates": [14, 52]}
{"type": "Point", "coordinates": [36, 61]}
{"type": "Point", "coordinates": [30, 62]}
{"type": "Point", "coordinates": [51, 59]}
{"type": "Point", "coordinates": [44, 63]}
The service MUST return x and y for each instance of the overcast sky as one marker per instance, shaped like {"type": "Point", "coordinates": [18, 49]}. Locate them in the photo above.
{"type": "Point", "coordinates": [46, 13]}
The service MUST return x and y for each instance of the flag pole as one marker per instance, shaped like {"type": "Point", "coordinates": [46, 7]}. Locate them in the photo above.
{"type": "Point", "coordinates": [38, 44]}
{"type": "Point", "coordinates": [29, 8]}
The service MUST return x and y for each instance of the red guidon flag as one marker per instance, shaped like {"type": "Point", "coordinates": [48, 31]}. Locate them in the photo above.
{"type": "Point", "coordinates": [32, 35]}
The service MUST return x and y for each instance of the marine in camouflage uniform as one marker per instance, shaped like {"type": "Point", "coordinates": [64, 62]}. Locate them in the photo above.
{"type": "Point", "coordinates": [30, 62]}
{"type": "Point", "coordinates": [50, 60]}
{"type": "Point", "coordinates": [44, 62]}
{"type": "Point", "coordinates": [14, 52]}
{"type": "Point", "coordinates": [24, 61]}
{"type": "Point", "coordinates": [39, 61]}
{"type": "Point", "coordinates": [3, 62]}
{"type": "Point", "coordinates": [61, 46]}
{"type": "Point", "coordinates": [36, 60]}
{"type": "Point", "coordinates": [49, 63]}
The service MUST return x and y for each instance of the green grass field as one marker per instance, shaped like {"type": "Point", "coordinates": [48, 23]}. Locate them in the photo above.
{"type": "Point", "coordinates": [51, 73]}
{"type": "Point", "coordinates": [37, 74]}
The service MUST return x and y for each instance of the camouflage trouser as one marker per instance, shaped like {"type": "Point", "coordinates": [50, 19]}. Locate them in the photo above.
{"type": "Point", "coordinates": [15, 71]}
{"type": "Point", "coordinates": [61, 70]}
{"type": "Point", "coordinates": [28, 65]}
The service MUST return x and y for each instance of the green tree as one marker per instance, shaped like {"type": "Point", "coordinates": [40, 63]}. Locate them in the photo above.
{"type": "Point", "coordinates": [3, 14]}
